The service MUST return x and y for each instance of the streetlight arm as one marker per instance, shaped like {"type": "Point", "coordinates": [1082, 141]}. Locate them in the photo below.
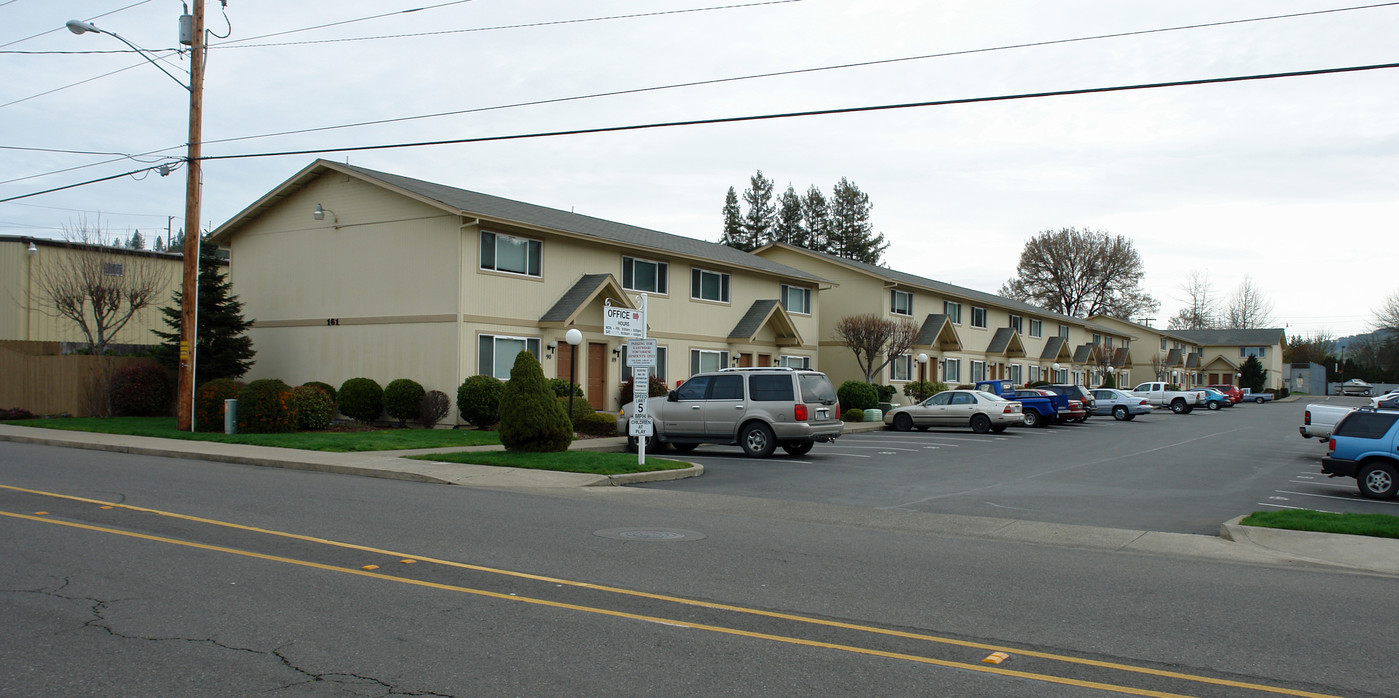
{"type": "Point", "coordinates": [81, 27]}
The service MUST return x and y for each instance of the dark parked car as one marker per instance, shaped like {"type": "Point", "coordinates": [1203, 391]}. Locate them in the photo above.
{"type": "Point", "coordinates": [1074, 392]}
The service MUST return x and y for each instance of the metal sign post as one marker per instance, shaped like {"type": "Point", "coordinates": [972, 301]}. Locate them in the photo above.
{"type": "Point", "coordinates": [641, 356]}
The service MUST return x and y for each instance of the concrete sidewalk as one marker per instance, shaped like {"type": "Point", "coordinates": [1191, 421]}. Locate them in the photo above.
{"type": "Point", "coordinates": [1247, 543]}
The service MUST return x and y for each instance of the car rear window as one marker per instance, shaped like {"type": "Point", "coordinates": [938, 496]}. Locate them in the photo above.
{"type": "Point", "coordinates": [1366, 425]}
{"type": "Point", "coordinates": [728, 387]}
{"type": "Point", "coordinates": [816, 387]}
{"type": "Point", "coordinates": [771, 388]}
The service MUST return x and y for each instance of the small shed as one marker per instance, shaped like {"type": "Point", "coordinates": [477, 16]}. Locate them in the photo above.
{"type": "Point", "coordinates": [1307, 378]}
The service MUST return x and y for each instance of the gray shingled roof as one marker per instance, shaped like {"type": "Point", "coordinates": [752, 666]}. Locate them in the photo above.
{"type": "Point", "coordinates": [494, 207]}
{"type": "Point", "coordinates": [1173, 357]}
{"type": "Point", "coordinates": [1083, 353]}
{"type": "Point", "coordinates": [752, 320]}
{"type": "Point", "coordinates": [960, 292]}
{"type": "Point", "coordinates": [932, 327]}
{"type": "Point", "coordinates": [1192, 360]}
{"type": "Point", "coordinates": [1238, 338]}
{"type": "Point", "coordinates": [1052, 346]}
{"type": "Point", "coordinates": [1000, 341]}
{"type": "Point", "coordinates": [574, 297]}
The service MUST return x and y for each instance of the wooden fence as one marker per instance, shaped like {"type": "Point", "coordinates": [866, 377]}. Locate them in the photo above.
{"type": "Point", "coordinates": [54, 384]}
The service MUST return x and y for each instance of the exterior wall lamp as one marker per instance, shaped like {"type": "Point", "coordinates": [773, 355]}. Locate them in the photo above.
{"type": "Point", "coordinates": [319, 214]}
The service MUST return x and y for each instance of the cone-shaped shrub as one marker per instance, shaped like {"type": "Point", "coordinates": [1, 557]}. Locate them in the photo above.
{"type": "Point", "coordinates": [531, 418]}
{"type": "Point", "coordinates": [208, 403]}
{"type": "Point", "coordinates": [361, 399]}
{"type": "Point", "coordinates": [478, 400]}
{"type": "Point", "coordinates": [402, 398]}
{"type": "Point", "coordinates": [266, 407]}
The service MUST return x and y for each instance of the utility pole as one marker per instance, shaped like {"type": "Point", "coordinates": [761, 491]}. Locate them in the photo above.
{"type": "Point", "coordinates": [184, 413]}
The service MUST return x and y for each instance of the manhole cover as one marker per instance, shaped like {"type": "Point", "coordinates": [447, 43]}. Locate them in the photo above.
{"type": "Point", "coordinates": [656, 535]}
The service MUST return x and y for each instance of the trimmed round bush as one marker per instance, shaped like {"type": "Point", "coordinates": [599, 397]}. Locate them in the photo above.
{"type": "Point", "coordinates": [581, 409]}
{"type": "Point", "coordinates": [433, 407]}
{"type": "Point", "coordinates": [478, 400]}
{"type": "Point", "coordinates": [857, 395]}
{"type": "Point", "coordinates": [597, 424]}
{"type": "Point", "coordinates": [361, 399]}
{"type": "Point", "coordinates": [326, 388]}
{"type": "Point", "coordinates": [853, 414]}
{"type": "Point", "coordinates": [147, 390]}
{"type": "Point", "coordinates": [561, 386]}
{"type": "Point", "coordinates": [15, 413]}
{"type": "Point", "coordinates": [531, 418]}
{"type": "Point", "coordinates": [266, 407]}
{"type": "Point", "coordinates": [314, 410]}
{"type": "Point", "coordinates": [402, 398]}
{"type": "Point", "coordinates": [208, 403]}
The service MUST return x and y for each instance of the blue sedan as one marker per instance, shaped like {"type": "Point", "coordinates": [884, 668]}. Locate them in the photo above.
{"type": "Point", "coordinates": [1215, 399]}
{"type": "Point", "coordinates": [1122, 405]}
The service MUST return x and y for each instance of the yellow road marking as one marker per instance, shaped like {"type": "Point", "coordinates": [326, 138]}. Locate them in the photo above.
{"type": "Point", "coordinates": [648, 595]}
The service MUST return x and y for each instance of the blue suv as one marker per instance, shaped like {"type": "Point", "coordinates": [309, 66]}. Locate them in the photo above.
{"type": "Point", "coordinates": [1365, 445]}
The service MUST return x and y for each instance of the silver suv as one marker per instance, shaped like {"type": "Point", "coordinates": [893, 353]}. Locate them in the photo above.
{"type": "Point", "coordinates": [756, 408]}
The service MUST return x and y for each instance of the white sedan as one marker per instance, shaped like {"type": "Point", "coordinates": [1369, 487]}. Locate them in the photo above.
{"type": "Point", "coordinates": [977, 409]}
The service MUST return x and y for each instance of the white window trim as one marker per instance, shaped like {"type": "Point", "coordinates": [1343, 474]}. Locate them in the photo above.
{"type": "Point", "coordinates": [906, 362]}
{"type": "Point", "coordinates": [894, 292]}
{"type": "Point", "coordinates": [495, 268]}
{"type": "Point", "coordinates": [697, 362]}
{"type": "Point", "coordinates": [985, 315]}
{"type": "Point", "coordinates": [724, 285]}
{"type": "Point", "coordinates": [1036, 323]}
{"type": "Point", "coordinates": [803, 362]}
{"type": "Point", "coordinates": [947, 366]}
{"type": "Point", "coordinates": [974, 365]}
{"type": "Point", "coordinates": [806, 296]}
{"type": "Point", "coordinates": [497, 337]}
{"type": "Point", "coordinates": [948, 305]}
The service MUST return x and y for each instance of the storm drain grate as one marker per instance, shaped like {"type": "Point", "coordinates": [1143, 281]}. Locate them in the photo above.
{"type": "Point", "coordinates": [654, 535]}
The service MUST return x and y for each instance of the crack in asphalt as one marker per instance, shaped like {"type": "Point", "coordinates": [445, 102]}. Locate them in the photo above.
{"type": "Point", "coordinates": [99, 621]}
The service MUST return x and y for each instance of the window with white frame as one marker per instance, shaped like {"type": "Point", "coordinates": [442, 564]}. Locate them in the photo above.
{"type": "Point", "coordinates": [900, 302]}
{"type": "Point", "coordinates": [1107, 341]}
{"type": "Point", "coordinates": [705, 360]}
{"type": "Point", "coordinates": [978, 371]}
{"type": "Point", "coordinates": [789, 361]}
{"type": "Point", "coordinates": [659, 370]}
{"type": "Point", "coordinates": [978, 317]}
{"type": "Point", "coordinates": [953, 311]}
{"type": "Point", "coordinates": [511, 254]}
{"type": "Point", "coordinates": [1034, 374]}
{"type": "Point", "coordinates": [709, 285]}
{"type": "Point", "coordinates": [1036, 328]}
{"type": "Point", "coordinates": [901, 368]}
{"type": "Point", "coordinates": [1061, 376]}
{"type": "Point", "coordinates": [1260, 352]}
{"type": "Point", "coordinates": [1124, 378]}
{"type": "Point", "coordinates": [496, 354]}
{"type": "Point", "coordinates": [1015, 374]}
{"type": "Point", "coordinates": [951, 370]}
{"type": "Point", "coordinates": [1017, 323]}
{"type": "Point", "coordinates": [796, 299]}
{"type": "Point", "coordinates": [1097, 339]}
{"type": "Point", "coordinates": [1064, 331]}
{"type": "Point", "coordinates": [645, 275]}
{"type": "Point", "coordinates": [1163, 344]}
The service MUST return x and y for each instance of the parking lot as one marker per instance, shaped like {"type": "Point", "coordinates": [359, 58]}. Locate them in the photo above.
{"type": "Point", "coordinates": [1161, 472]}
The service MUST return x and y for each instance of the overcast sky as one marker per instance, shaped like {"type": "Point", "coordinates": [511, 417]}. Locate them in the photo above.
{"type": "Point", "coordinates": [1292, 181]}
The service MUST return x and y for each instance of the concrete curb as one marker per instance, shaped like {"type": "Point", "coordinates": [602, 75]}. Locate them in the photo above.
{"type": "Point", "coordinates": [1364, 553]}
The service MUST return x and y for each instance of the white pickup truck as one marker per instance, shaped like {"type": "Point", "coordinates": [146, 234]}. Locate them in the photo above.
{"type": "Point", "coordinates": [1179, 401]}
{"type": "Point", "coordinates": [1319, 420]}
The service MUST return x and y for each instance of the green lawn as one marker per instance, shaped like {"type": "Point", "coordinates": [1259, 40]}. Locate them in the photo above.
{"type": "Point", "coordinates": [338, 441]}
{"type": "Point", "coordinates": [1376, 525]}
{"type": "Point", "coordinates": [591, 462]}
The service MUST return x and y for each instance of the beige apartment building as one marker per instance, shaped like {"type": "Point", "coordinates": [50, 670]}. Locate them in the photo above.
{"type": "Point", "coordinates": [352, 272]}
{"type": "Point", "coordinates": [27, 316]}
{"type": "Point", "coordinates": [1203, 357]}
{"type": "Point", "coordinates": [967, 335]}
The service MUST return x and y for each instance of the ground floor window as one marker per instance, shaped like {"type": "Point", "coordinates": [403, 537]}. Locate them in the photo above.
{"type": "Point", "coordinates": [951, 370]}
{"type": "Point", "coordinates": [901, 368]}
{"type": "Point", "coordinates": [1034, 374]}
{"type": "Point", "coordinates": [794, 361]}
{"type": "Point", "coordinates": [704, 360]}
{"type": "Point", "coordinates": [1015, 373]}
{"type": "Point", "coordinates": [496, 355]}
{"type": "Point", "coordinates": [978, 369]}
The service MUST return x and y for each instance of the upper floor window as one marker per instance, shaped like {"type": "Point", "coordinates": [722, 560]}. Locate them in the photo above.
{"type": "Point", "coordinates": [796, 299]}
{"type": "Point", "coordinates": [709, 285]}
{"type": "Point", "coordinates": [1163, 344]}
{"type": "Point", "coordinates": [978, 317]}
{"type": "Point", "coordinates": [507, 253]}
{"type": "Point", "coordinates": [645, 275]}
{"type": "Point", "coordinates": [1097, 339]}
{"type": "Point", "coordinates": [900, 302]}
{"type": "Point", "coordinates": [953, 311]}
{"type": "Point", "coordinates": [1064, 331]}
{"type": "Point", "coordinates": [1017, 323]}
{"type": "Point", "coordinates": [1260, 352]}
{"type": "Point", "coordinates": [1036, 328]}
{"type": "Point", "coordinates": [1107, 341]}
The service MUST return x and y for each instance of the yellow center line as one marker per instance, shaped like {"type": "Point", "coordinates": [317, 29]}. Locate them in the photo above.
{"type": "Point", "coordinates": [652, 596]}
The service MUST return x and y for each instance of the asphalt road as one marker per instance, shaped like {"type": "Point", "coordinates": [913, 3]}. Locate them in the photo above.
{"type": "Point", "coordinates": [129, 575]}
{"type": "Point", "coordinates": [1159, 472]}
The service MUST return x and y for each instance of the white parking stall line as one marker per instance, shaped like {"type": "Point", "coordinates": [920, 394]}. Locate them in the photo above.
{"type": "Point", "coordinates": [1335, 485]}
{"type": "Point", "coordinates": [1284, 506]}
{"type": "Point", "coordinates": [1356, 498]}
{"type": "Point", "coordinates": [887, 448]}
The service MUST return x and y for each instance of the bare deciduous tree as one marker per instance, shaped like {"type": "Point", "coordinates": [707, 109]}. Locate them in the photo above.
{"type": "Point", "coordinates": [1160, 368]}
{"type": "Point", "coordinates": [1317, 348]}
{"type": "Point", "coordinates": [97, 287]}
{"type": "Point", "coordinates": [1201, 308]}
{"type": "Point", "coordinates": [1387, 315]}
{"type": "Point", "coordinates": [872, 337]}
{"type": "Point", "coordinates": [1248, 307]}
{"type": "Point", "coordinates": [1081, 273]}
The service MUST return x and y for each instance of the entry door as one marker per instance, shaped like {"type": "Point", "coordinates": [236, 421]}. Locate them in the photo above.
{"type": "Point", "coordinates": [745, 360]}
{"type": "Point", "coordinates": [765, 360]}
{"type": "Point", "coordinates": [562, 369]}
{"type": "Point", "coordinates": [597, 374]}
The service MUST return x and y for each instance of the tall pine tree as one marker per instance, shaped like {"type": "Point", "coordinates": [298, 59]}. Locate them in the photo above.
{"type": "Point", "coordinates": [761, 219]}
{"type": "Point", "coordinates": [733, 221]}
{"type": "Point", "coordinates": [790, 228]}
{"type": "Point", "coordinates": [853, 236]}
{"type": "Point", "coordinates": [817, 214]}
{"type": "Point", "coordinates": [222, 347]}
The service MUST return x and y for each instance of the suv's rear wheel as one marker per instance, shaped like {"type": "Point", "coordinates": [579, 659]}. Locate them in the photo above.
{"type": "Point", "coordinates": [757, 440]}
{"type": "Point", "coordinates": [1377, 480]}
{"type": "Point", "coordinates": [799, 448]}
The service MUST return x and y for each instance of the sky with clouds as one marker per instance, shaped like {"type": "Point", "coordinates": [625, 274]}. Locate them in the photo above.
{"type": "Point", "coordinates": [1289, 181]}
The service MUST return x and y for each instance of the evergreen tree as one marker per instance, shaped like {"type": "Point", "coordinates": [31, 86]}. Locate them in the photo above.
{"type": "Point", "coordinates": [733, 221]}
{"type": "Point", "coordinates": [790, 228]}
{"type": "Point", "coordinates": [137, 242]}
{"type": "Point", "coordinates": [761, 219]}
{"type": "Point", "coordinates": [159, 244]}
{"type": "Point", "coordinates": [852, 235]}
{"type": "Point", "coordinates": [1252, 375]}
{"type": "Point", "coordinates": [222, 347]}
{"type": "Point", "coordinates": [817, 214]}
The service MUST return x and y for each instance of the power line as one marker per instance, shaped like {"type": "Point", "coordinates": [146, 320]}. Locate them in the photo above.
{"type": "Point", "coordinates": [157, 56]}
{"type": "Point", "coordinates": [756, 117]}
{"type": "Point", "coordinates": [108, 213]}
{"type": "Point", "coordinates": [50, 31]}
{"type": "Point", "coordinates": [228, 44]}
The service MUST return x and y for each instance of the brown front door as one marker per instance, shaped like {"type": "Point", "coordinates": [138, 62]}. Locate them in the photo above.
{"type": "Point", "coordinates": [562, 370]}
{"type": "Point", "coordinates": [764, 360]}
{"type": "Point", "coordinates": [597, 374]}
{"type": "Point", "coordinates": [745, 360]}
